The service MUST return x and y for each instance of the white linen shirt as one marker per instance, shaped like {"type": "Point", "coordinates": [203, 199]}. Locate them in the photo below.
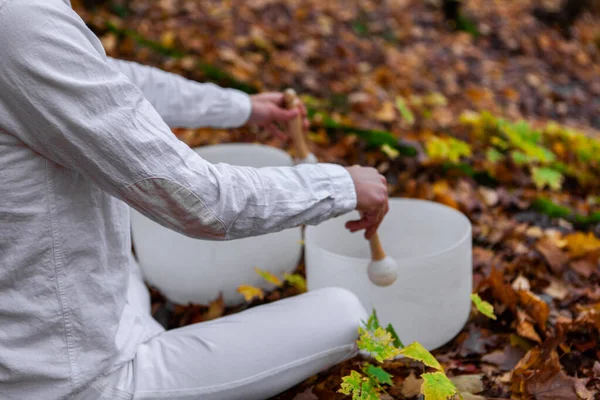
{"type": "Point", "coordinates": [81, 137]}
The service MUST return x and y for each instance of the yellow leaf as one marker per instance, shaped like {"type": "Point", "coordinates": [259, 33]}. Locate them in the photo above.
{"type": "Point", "coordinates": [167, 39]}
{"type": "Point", "coordinates": [216, 308]}
{"type": "Point", "coordinates": [390, 151]}
{"type": "Point", "coordinates": [296, 281]}
{"type": "Point", "coordinates": [250, 292]}
{"type": "Point", "coordinates": [483, 306]}
{"type": "Point", "coordinates": [269, 277]}
{"type": "Point", "coordinates": [580, 243]}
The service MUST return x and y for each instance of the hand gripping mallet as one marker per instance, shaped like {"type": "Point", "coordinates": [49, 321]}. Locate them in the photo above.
{"type": "Point", "coordinates": [382, 270]}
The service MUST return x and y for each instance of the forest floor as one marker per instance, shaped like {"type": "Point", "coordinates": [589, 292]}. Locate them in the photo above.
{"type": "Point", "coordinates": [390, 84]}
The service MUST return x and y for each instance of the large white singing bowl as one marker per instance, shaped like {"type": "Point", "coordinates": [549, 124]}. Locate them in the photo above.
{"type": "Point", "coordinates": [191, 270]}
{"type": "Point", "coordinates": [430, 300]}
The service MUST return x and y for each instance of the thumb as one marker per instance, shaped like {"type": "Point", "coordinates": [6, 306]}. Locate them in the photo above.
{"type": "Point", "coordinates": [279, 114]}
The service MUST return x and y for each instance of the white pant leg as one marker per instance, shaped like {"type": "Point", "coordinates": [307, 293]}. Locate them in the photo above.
{"type": "Point", "coordinates": [251, 355]}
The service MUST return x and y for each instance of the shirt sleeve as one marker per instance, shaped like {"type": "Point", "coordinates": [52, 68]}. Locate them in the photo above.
{"type": "Point", "coordinates": [68, 104]}
{"type": "Point", "coordinates": [183, 103]}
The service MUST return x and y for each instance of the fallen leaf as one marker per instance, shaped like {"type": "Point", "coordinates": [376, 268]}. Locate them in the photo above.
{"type": "Point", "coordinates": [250, 292]}
{"type": "Point", "coordinates": [526, 329]}
{"type": "Point", "coordinates": [506, 359]}
{"type": "Point", "coordinates": [404, 110]}
{"type": "Point", "coordinates": [535, 307]}
{"type": "Point", "coordinates": [490, 196]}
{"type": "Point", "coordinates": [555, 257]}
{"type": "Point", "coordinates": [215, 309]}
{"type": "Point", "coordinates": [557, 289]}
{"type": "Point", "coordinates": [584, 267]}
{"type": "Point", "coordinates": [475, 341]}
{"type": "Point", "coordinates": [387, 112]}
{"type": "Point", "coordinates": [268, 276]}
{"type": "Point", "coordinates": [468, 383]}
{"type": "Point", "coordinates": [296, 281]}
{"type": "Point", "coordinates": [411, 386]}
{"type": "Point", "coordinates": [483, 306]}
{"type": "Point", "coordinates": [521, 283]}
{"type": "Point", "coordinates": [580, 243]}
{"type": "Point", "coordinates": [502, 291]}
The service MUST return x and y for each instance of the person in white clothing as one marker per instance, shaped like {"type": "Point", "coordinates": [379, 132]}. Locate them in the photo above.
{"type": "Point", "coordinates": [82, 138]}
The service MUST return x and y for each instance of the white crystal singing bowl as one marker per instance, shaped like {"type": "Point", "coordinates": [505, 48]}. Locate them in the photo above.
{"type": "Point", "coordinates": [431, 243]}
{"type": "Point", "coordinates": [191, 270]}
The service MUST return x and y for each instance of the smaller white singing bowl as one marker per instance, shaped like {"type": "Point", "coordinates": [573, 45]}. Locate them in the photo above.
{"type": "Point", "coordinates": [431, 243]}
{"type": "Point", "coordinates": [196, 271]}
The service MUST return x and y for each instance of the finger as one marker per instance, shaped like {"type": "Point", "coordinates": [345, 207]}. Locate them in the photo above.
{"type": "Point", "coordinates": [373, 226]}
{"type": "Point", "coordinates": [302, 108]}
{"type": "Point", "coordinates": [357, 225]}
{"type": "Point", "coordinates": [282, 115]}
{"type": "Point", "coordinates": [273, 97]}
{"type": "Point", "coordinates": [305, 125]}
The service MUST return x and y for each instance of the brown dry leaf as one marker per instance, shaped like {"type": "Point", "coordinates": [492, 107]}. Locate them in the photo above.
{"type": "Point", "coordinates": [502, 291]}
{"type": "Point", "coordinates": [387, 112]}
{"type": "Point", "coordinates": [535, 307]}
{"type": "Point", "coordinates": [521, 283]}
{"type": "Point", "coordinates": [557, 289]}
{"type": "Point", "coordinates": [490, 196]}
{"type": "Point", "coordinates": [471, 384]}
{"type": "Point", "coordinates": [411, 386]}
{"type": "Point", "coordinates": [555, 257]}
{"type": "Point", "coordinates": [443, 194]}
{"type": "Point", "coordinates": [526, 329]}
{"type": "Point", "coordinates": [539, 375]}
{"type": "Point", "coordinates": [557, 386]}
{"type": "Point", "coordinates": [584, 267]}
{"type": "Point", "coordinates": [506, 359]}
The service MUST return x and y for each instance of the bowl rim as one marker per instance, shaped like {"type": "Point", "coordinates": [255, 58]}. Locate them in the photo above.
{"type": "Point", "coordinates": [251, 145]}
{"type": "Point", "coordinates": [468, 234]}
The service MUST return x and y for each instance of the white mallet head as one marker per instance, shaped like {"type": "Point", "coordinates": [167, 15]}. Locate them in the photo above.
{"type": "Point", "coordinates": [382, 270]}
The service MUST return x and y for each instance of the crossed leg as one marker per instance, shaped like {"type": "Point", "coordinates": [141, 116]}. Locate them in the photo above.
{"type": "Point", "coordinates": [251, 355]}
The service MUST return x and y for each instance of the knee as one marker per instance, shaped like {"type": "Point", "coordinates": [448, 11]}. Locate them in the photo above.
{"type": "Point", "coordinates": [345, 308]}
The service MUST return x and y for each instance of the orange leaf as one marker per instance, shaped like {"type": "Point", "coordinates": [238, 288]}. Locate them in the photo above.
{"type": "Point", "coordinates": [526, 329]}
{"type": "Point", "coordinates": [535, 307]}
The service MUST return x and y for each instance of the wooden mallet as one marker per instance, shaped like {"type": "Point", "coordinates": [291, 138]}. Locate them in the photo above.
{"type": "Point", "coordinates": [382, 270]}
{"type": "Point", "coordinates": [304, 156]}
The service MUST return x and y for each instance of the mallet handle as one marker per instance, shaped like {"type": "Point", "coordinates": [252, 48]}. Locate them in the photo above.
{"type": "Point", "coordinates": [377, 253]}
{"type": "Point", "coordinates": [295, 125]}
